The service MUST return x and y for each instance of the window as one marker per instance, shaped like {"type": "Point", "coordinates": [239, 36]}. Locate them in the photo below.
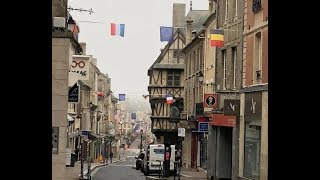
{"type": "Point", "coordinates": [198, 60]}
{"type": "Point", "coordinates": [234, 66]}
{"type": "Point", "coordinates": [189, 102]}
{"type": "Point", "coordinates": [252, 145]}
{"type": "Point", "coordinates": [176, 54]}
{"type": "Point", "coordinates": [256, 6]}
{"type": "Point", "coordinates": [158, 151]}
{"type": "Point", "coordinates": [173, 78]}
{"type": "Point", "coordinates": [235, 10]}
{"type": "Point", "coordinates": [194, 60]}
{"type": "Point", "coordinates": [257, 64]}
{"type": "Point", "coordinates": [201, 59]}
{"type": "Point", "coordinates": [226, 12]}
{"type": "Point", "coordinates": [186, 99]}
{"type": "Point", "coordinates": [190, 64]}
{"type": "Point", "coordinates": [224, 62]}
{"type": "Point", "coordinates": [186, 68]}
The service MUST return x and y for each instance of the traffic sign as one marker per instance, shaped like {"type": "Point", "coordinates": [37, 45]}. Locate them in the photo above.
{"type": "Point", "coordinates": [181, 132]}
{"type": "Point", "coordinates": [203, 126]}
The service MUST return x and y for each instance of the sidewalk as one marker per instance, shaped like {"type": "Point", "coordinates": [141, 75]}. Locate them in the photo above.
{"type": "Point", "coordinates": [193, 174]}
{"type": "Point", "coordinates": [186, 174]}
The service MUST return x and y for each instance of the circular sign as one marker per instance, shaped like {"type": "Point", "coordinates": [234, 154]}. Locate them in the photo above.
{"type": "Point", "coordinates": [175, 113]}
{"type": "Point", "coordinates": [210, 100]}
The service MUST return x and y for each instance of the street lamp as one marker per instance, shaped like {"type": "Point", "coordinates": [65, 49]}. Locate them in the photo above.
{"type": "Point", "coordinates": [111, 133]}
{"type": "Point", "coordinates": [141, 132]}
{"type": "Point", "coordinates": [200, 77]}
{"type": "Point", "coordinates": [120, 140]}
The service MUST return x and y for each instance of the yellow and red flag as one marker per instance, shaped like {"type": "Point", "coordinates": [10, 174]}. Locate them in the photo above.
{"type": "Point", "coordinates": [216, 38]}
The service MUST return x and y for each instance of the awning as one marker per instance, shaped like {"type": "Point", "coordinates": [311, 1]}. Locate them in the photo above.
{"type": "Point", "coordinates": [70, 118]}
{"type": "Point", "coordinates": [93, 136]}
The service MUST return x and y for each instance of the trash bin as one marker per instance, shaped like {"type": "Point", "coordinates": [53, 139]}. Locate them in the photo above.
{"type": "Point", "coordinates": [73, 159]}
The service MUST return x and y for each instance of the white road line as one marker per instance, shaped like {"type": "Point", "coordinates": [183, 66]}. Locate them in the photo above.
{"type": "Point", "coordinates": [184, 175]}
{"type": "Point", "coordinates": [120, 165]}
{"type": "Point", "coordinates": [151, 177]}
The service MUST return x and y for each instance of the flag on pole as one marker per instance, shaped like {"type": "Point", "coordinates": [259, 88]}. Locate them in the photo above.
{"type": "Point", "coordinates": [169, 99]}
{"type": "Point", "coordinates": [122, 97]}
{"type": "Point", "coordinates": [117, 29]}
{"type": "Point", "coordinates": [166, 33]}
{"type": "Point", "coordinates": [216, 38]}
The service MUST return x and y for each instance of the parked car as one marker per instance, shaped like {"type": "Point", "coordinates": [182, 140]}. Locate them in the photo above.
{"type": "Point", "coordinates": [139, 160]}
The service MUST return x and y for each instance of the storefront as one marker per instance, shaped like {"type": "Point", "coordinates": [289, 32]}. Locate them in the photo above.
{"type": "Point", "coordinates": [199, 143]}
{"type": "Point", "coordinates": [220, 158]}
{"type": "Point", "coordinates": [254, 128]}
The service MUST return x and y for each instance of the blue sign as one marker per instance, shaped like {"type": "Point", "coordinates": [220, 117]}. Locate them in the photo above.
{"type": "Point", "coordinates": [84, 133]}
{"type": "Point", "coordinates": [203, 126]}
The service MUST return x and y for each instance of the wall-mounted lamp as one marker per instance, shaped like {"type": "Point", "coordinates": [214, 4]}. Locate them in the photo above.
{"type": "Point", "coordinates": [200, 77]}
{"type": "Point", "coordinates": [71, 24]}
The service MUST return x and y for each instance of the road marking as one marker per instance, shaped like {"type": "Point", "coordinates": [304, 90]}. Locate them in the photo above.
{"type": "Point", "coordinates": [121, 165]}
{"type": "Point", "coordinates": [151, 177]}
{"type": "Point", "coordinates": [184, 175]}
{"type": "Point", "coordinates": [131, 156]}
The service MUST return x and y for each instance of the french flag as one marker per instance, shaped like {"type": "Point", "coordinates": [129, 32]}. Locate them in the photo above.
{"type": "Point", "coordinates": [117, 29]}
{"type": "Point", "coordinates": [169, 99]}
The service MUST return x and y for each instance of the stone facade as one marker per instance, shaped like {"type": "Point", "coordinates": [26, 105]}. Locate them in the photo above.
{"type": "Point", "coordinates": [254, 80]}
{"type": "Point", "coordinates": [61, 54]}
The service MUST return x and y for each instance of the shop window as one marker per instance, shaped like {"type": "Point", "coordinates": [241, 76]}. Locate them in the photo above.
{"type": "Point", "coordinates": [252, 144]}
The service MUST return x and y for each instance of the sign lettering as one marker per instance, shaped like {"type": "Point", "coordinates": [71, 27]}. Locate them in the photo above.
{"type": "Point", "coordinates": [231, 107]}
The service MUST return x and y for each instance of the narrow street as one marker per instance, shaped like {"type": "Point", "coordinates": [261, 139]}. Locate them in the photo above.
{"type": "Point", "coordinates": [122, 170]}
{"type": "Point", "coordinates": [185, 82]}
{"type": "Point", "coordinates": [119, 171]}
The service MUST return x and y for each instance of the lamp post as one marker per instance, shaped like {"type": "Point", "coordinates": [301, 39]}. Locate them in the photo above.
{"type": "Point", "coordinates": [111, 154]}
{"type": "Point", "coordinates": [111, 132]}
{"type": "Point", "coordinates": [120, 139]}
{"type": "Point", "coordinates": [141, 132]}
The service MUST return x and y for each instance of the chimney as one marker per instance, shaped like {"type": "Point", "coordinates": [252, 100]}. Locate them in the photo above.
{"type": "Point", "coordinates": [212, 6]}
{"type": "Point", "coordinates": [59, 8]}
{"type": "Point", "coordinates": [83, 46]}
{"type": "Point", "coordinates": [189, 30]}
{"type": "Point", "coordinates": [178, 16]}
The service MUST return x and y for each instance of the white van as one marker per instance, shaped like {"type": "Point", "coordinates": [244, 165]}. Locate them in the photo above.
{"type": "Point", "coordinates": [154, 157]}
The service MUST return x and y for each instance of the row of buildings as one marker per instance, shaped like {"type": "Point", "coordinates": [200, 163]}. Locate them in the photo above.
{"type": "Point", "coordinates": [86, 116]}
{"type": "Point", "coordinates": [228, 138]}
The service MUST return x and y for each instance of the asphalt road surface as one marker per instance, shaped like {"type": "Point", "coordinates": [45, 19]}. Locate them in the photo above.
{"type": "Point", "coordinates": [123, 170]}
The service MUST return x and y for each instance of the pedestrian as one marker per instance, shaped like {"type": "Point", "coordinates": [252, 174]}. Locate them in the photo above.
{"type": "Point", "coordinates": [178, 156]}
{"type": "Point", "coordinates": [76, 151]}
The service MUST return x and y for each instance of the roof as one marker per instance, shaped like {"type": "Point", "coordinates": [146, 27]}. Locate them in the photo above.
{"type": "Point", "coordinates": [198, 17]}
{"type": "Point", "coordinates": [190, 44]}
{"type": "Point", "coordinates": [177, 32]}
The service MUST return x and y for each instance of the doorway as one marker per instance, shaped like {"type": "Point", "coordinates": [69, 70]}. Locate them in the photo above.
{"type": "Point", "coordinates": [224, 152]}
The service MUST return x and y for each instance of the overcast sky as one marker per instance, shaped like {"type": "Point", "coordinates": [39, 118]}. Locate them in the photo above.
{"type": "Point", "coordinates": [126, 59]}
